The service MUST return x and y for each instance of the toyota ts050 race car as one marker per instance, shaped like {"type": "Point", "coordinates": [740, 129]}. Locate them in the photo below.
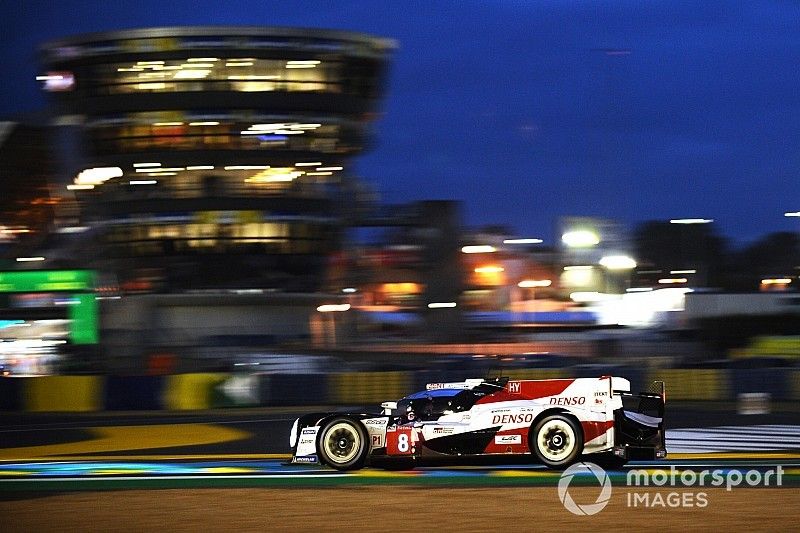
{"type": "Point", "coordinates": [553, 421]}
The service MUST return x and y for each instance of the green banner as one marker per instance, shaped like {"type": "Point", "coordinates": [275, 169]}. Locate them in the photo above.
{"type": "Point", "coordinates": [46, 281]}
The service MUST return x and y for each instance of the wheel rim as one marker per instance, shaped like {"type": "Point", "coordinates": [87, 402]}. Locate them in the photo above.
{"type": "Point", "coordinates": [556, 440]}
{"type": "Point", "coordinates": [342, 442]}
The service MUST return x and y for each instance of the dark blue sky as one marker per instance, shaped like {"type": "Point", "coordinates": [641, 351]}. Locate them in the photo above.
{"type": "Point", "coordinates": [514, 107]}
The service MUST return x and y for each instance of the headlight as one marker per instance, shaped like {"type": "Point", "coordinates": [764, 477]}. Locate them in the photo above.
{"type": "Point", "coordinates": [293, 434]}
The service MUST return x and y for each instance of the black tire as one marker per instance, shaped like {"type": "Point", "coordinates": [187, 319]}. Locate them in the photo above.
{"type": "Point", "coordinates": [342, 444]}
{"type": "Point", "coordinates": [556, 440]}
{"type": "Point", "coordinates": [607, 461]}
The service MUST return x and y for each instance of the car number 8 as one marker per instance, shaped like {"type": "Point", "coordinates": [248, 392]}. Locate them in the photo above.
{"type": "Point", "coordinates": [402, 442]}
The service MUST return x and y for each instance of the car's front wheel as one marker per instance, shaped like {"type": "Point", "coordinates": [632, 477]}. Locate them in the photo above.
{"type": "Point", "coordinates": [556, 440]}
{"type": "Point", "coordinates": [342, 444]}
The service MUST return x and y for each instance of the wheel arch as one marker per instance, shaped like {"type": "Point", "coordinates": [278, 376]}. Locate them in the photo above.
{"type": "Point", "coordinates": [555, 411]}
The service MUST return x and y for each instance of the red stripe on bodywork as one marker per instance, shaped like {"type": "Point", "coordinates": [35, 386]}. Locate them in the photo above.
{"type": "Point", "coordinates": [592, 430]}
{"type": "Point", "coordinates": [528, 390]}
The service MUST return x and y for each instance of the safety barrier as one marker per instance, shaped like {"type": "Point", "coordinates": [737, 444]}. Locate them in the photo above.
{"type": "Point", "coordinates": [784, 346]}
{"type": "Point", "coordinates": [62, 393]}
{"type": "Point", "coordinates": [182, 392]}
{"type": "Point", "coordinates": [694, 384]}
{"type": "Point", "coordinates": [368, 387]}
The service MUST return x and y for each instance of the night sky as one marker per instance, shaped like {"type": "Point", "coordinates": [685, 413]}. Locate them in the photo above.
{"type": "Point", "coordinates": [532, 109]}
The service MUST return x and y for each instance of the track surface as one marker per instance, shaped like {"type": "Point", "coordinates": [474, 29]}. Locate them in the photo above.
{"type": "Point", "coordinates": [96, 472]}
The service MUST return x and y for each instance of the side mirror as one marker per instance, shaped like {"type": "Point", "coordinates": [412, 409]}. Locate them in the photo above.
{"type": "Point", "coordinates": [389, 407]}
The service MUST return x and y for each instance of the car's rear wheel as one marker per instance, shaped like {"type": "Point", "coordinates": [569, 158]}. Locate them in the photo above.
{"type": "Point", "coordinates": [342, 444]}
{"type": "Point", "coordinates": [556, 440]}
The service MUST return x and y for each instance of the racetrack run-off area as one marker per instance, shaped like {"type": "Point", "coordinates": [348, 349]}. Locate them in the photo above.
{"type": "Point", "coordinates": [388, 508]}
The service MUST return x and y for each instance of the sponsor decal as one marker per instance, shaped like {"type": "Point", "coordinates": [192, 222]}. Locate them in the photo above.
{"type": "Point", "coordinates": [568, 400]}
{"type": "Point", "coordinates": [305, 441]}
{"type": "Point", "coordinates": [306, 459]}
{"type": "Point", "coordinates": [442, 431]}
{"type": "Point", "coordinates": [604, 393]}
{"type": "Point", "coordinates": [375, 421]}
{"type": "Point", "coordinates": [521, 418]}
{"type": "Point", "coordinates": [377, 441]}
{"type": "Point", "coordinates": [508, 439]}
{"type": "Point", "coordinates": [514, 387]}
{"type": "Point", "coordinates": [496, 411]}
{"type": "Point", "coordinates": [309, 431]}
{"type": "Point", "coordinates": [435, 386]}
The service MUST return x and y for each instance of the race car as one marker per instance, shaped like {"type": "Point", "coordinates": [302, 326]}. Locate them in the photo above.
{"type": "Point", "coordinates": [553, 421]}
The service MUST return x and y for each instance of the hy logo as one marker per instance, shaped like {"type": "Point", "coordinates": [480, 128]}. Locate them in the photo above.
{"type": "Point", "coordinates": [589, 508]}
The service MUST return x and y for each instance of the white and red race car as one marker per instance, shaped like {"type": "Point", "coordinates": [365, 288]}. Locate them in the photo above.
{"type": "Point", "coordinates": [555, 421]}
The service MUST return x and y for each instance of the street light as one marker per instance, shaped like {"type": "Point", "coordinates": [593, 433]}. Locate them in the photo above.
{"type": "Point", "coordinates": [792, 214]}
{"type": "Point", "coordinates": [618, 262]}
{"type": "Point", "coordinates": [580, 239]}
{"type": "Point", "coordinates": [523, 241]}
{"type": "Point", "coordinates": [478, 249]}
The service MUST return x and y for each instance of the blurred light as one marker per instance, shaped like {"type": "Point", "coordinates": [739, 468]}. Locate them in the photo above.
{"type": "Point", "coordinates": [618, 262]}
{"type": "Point", "coordinates": [253, 77]}
{"type": "Point", "coordinates": [29, 259]}
{"type": "Point", "coordinates": [349, 290]}
{"type": "Point", "coordinates": [792, 214]}
{"type": "Point", "coordinates": [161, 174]}
{"type": "Point", "coordinates": [578, 267]}
{"type": "Point", "coordinates": [163, 124]}
{"type": "Point", "coordinates": [691, 220]}
{"type": "Point", "coordinates": [776, 281]}
{"type": "Point", "coordinates": [523, 241]}
{"type": "Point", "coordinates": [332, 308]}
{"type": "Point", "coordinates": [274, 175]}
{"type": "Point", "coordinates": [322, 169]}
{"type": "Point", "coordinates": [667, 281]}
{"type": "Point", "coordinates": [639, 289]}
{"type": "Point", "coordinates": [98, 175]}
{"type": "Point", "coordinates": [441, 305]}
{"type": "Point", "coordinates": [247, 167]}
{"type": "Point", "coordinates": [160, 169]}
{"type": "Point", "coordinates": [530, 283]}
{"type": "Point", "coordinates": [79, 187]}
{"type": "Point", "coordinates": [200, 167]}
{"type": "Point", "coordinates": [489, 270]}
{"type": "Point", "coordinates": [580, 239]}
{"type": "Point", "coordinates": [319, 174]}
{"type": "Point", "coordinates": [57, 81]}
{"type": "Point", "coordinates": [153, 86]}
{"type": "Point", "coordinates": [691, 271]}
{"type": "Point", "coordinates": [312, 164]}
{"type": "Point", "coordinates": [191, 74]}
{"type": "Point", "coordinates": [587, 297]}
{"type": "Point", "coordinates": [145, 165]}
{"type": "Point", "coordinates": [201, 59]}
{"type": "Point", "coordinates": [149, 63]}
{"type": "Point", "coordinates": [142, 182]}
{"type": "Point", "coordinates": [73, 229]}
{"type": "Point", "coordinates": [478, 249]}
{"type": "Point", "coordinates": [239, 64]}
{"type": "Point", "coordinates": [302, 64]}
{"type": "Point", "coordinates": [210, 123]}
